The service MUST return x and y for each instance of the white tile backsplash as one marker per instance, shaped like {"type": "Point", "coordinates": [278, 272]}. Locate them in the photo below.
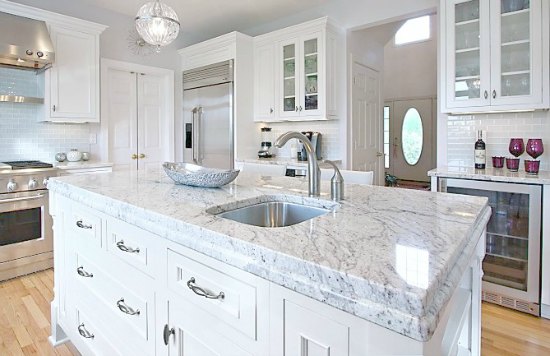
{"type": "Point", "coordinates": [330, 130]}
{"type": "Point", "coordinates": [462, 134]}
{"type": "Point", "coordinates": [22, 137]}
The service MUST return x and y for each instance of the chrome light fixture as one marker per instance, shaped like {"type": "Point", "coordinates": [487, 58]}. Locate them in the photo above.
{"type": "Point", "coordinates": [157, 24]}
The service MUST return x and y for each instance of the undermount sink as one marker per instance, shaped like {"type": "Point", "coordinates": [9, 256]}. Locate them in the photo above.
{"type": "Point", "coordinates": [273, 214]}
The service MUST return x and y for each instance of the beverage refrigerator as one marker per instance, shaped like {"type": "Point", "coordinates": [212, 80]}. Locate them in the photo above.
{"type": "Point", "coordinates": [512, 262]}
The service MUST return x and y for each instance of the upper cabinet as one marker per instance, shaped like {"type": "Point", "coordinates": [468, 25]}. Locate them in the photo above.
{"type": "Point", "coordinates": [295, 73]}
{"type": "Point", "coordinates": [495, 55]}
{"type": "Point", "coordinates": [74, 77]}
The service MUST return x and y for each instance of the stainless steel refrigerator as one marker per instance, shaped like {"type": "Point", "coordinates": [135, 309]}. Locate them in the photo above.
{"type": "Point", "coordinates": [208, 115]}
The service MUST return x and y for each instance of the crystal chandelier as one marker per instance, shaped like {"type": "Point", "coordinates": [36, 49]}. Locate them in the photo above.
{"type": "Point", "coordinates": [157, 24]}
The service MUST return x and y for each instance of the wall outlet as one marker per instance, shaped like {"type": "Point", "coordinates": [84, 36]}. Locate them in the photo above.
{"type": "Point", "coordinates": [93, 139]}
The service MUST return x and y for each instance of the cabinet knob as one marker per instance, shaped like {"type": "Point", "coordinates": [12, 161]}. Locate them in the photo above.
{"type": "Point", "coordinates": [134, 156]}
{"type": "Point", "coordinates": [300, 107]}
{"type": "Point", "coordinates": [142, 156]}
{"type": "Point", "coordinates": [486, 94]}
{"type": "Point", "coordinates": [53, 108]}
{"type": "Point", "coordinates": [167, 332]}
{"type": "Point", "coordinates": [271, 110]}
{"type": "Point", "coordinates": [494, 94]}
{"type": "Point", "coordinates": [296, 109]}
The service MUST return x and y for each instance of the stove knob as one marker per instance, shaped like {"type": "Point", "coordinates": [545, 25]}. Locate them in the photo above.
{"type": "Point", "coordinates": [33, 184]}
{"type": "Point", "coordinates": [45, 181]}
{"type": "Point", "coordinates": [12, 185]}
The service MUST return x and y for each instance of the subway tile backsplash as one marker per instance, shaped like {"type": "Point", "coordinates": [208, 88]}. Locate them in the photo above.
{"type": "Point", "coordinates": [22, 137]}
{"type": "Point", "coordinates": [499, 128]}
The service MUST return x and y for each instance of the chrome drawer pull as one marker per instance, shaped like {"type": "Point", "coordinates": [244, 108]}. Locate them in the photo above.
{"type": "Point", "coordinates": [82, 226]}
{"type": "Point", "coordinates": [203, 292]}
{"type": "Point", "coordinates": [80, 270]}
{"type": "Point", "coordinates": [125, 308]}
{"type": "Point", "coordinates": [125, 248]}
{"type": "Point", "coordinates": [166, 334]}
{"type": "Point", "coordinates": [85, 333]}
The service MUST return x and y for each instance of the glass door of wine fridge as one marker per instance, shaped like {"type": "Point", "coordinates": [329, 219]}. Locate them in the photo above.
{"type": "Point", "coordinates": [512, 261]}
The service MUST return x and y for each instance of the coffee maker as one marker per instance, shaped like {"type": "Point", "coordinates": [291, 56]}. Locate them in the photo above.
{"type": "Point", "coordinates": [315, 138]}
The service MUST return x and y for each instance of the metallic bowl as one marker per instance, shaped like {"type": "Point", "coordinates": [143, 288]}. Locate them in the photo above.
{"type": "Point", "coordinates": [197, 176]}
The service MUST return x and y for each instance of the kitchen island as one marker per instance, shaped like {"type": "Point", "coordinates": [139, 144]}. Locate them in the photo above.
{"type": "Point", "coordinates": [386, 271]}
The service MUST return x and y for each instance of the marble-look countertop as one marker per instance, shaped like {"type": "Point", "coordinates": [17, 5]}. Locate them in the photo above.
{"type": "Point", "coordinates": [491, 174]}
{"type": "Point", "coordinates": [82, 165]}
{"type": "Point", "coordinates": [291, 162]}
{"type": "Point", "coordinates": [388, 255]}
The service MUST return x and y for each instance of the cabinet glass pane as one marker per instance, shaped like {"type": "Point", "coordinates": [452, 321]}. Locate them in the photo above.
{"type": "Point", "coordinates": [507, 247]}
{"type": "Point", "coordinates": [467, 51]}
{"type": "Point", "coordinates": [515, 51]}
{"type": "Point", "coordinates": [289, 77]}
{"type": "Point", "coordinates": [311, 88]}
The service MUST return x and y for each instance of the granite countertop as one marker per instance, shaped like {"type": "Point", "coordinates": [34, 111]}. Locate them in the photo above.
{"type": "Point", "coordinates": [293, 162]}
{"type": "Point", "coordinates": [491, 174]}
{"type": "Point", "coordinates": [82, 165]}
{"type": "Point", "coordinates": [388, 255]}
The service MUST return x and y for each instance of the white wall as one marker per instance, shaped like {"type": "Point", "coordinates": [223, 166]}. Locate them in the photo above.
{"type": "Point", "coordinates": [410, 71]}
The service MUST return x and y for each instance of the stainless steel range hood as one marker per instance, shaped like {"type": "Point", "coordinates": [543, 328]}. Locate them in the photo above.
{"type": "Point", "coordinates": [24, 43]}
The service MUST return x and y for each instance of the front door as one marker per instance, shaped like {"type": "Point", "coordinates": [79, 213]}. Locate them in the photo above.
{"type": "Point", "coordinates": [413, 143]}
{"type": "Point", "coordinates": [366, 145]}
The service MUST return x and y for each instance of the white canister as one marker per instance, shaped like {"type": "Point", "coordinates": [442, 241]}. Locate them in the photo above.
{"type": "Point", "coordinates": [74, 155]}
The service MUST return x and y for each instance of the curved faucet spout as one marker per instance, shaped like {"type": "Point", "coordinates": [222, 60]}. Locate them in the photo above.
{"type": "Point", "coordinates": [314, 173]}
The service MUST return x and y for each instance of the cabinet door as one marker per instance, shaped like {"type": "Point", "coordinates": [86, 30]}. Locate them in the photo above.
{"type": "Point", "coordinates": [289, 99]}
{"type": "Point", "coordinates": [74, 76]}
{"type": "Point", "coordinates": [516, 57]}
{"type": "Point", "coordinates": [311, 78]}
{"type": "Point", "coordinates": [192, 335]}
{"type": "Point", "coordinates": [264, 83]}
{"type": "Point", "coordinates": [468, 53]}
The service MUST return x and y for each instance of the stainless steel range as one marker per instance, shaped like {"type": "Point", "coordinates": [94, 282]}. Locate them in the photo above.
{"type": "Point", "coordinates": [26, 238]}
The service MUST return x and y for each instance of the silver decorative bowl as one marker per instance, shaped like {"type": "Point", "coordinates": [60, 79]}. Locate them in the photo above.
{"type": "Point", "coordinates": [197, 176]}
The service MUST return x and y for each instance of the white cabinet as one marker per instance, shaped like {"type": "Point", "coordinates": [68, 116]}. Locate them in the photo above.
{"type": "Point", "coordinates": [72, 84]}
{"type": "Point", "coordinates": [297, 73]}
{"type": "Point", "coordinates": [264, 82]}
{"type": "Point", "coordinates": [495, 55]}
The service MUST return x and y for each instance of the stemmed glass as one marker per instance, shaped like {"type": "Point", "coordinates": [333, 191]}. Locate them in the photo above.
{"type": "Point", "coordinates": [535, 147]}
{"type": "Point", "coordinates": [516, 147]}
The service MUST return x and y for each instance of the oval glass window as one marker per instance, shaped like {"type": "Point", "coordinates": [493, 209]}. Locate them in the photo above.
{"type": "Point", "coordinates": [412, 136]}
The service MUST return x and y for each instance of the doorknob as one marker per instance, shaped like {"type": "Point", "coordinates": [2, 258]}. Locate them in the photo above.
{"type": "Point", "coordinates": [134, 156]}
{"type": "Point", "coordinates": [379, 154]}
{"type": "Point", "coordinates": [141, 155]}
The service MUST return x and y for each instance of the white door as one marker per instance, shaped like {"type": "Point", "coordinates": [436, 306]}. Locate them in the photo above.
{"type": "Point", "coordinates": [151, 118]}
{"type": "Point", "coordinates": [413, 139]}
{"type": "Point", "coordinates": [366, 149]}
{"type": "Point", "coordinates": [122, 114]}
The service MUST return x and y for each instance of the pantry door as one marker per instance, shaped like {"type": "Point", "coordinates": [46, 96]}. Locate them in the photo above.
{"type": "Point", "coordinates": [412, 132]}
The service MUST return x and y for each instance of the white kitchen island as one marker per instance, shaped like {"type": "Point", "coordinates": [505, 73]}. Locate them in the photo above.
{"type": "Point", "coordinates": [387, 271]}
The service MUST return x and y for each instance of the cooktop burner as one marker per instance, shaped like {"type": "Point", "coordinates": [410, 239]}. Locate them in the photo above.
{"type": "Point", "coordinates": [28, 164]}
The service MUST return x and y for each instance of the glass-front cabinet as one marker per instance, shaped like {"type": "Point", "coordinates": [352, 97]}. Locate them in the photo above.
{"type": "Point", "coordinates": [495, 54]}
{"type": "Point", "coordinates": [301, 76]}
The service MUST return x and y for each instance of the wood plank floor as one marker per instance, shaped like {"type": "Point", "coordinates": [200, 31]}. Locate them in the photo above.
{"type": "Point", "coordinates": [25, 323]}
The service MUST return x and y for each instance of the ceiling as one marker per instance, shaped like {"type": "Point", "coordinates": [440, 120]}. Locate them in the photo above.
{"type": "Point", "coordinates": [217, 15]}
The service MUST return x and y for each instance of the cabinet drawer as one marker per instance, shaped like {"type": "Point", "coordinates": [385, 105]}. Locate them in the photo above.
{"type": "Point", "coordinates": [90, 336]}
{"type": "Point", "coordinates": [132, 245]}
{"type": "Point", "coordinates": [85, 226]}
{"type": "Point", "coordinates": [231, 300]}
{"type": "Point", "coordinates": [128, 305]}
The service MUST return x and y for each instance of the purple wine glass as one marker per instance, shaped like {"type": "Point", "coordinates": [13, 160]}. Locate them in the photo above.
{"type": "Point", "coordinates": [516, 147]}
{"type": "Point", "coordinates": [535, 147]}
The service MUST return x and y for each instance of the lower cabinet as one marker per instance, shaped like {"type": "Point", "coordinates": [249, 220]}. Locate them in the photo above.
{"type": "Point", "coordinates": [120, 290]}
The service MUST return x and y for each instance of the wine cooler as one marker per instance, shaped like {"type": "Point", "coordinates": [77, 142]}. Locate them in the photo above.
{"type": "Point", "coordinates": [512, 262]}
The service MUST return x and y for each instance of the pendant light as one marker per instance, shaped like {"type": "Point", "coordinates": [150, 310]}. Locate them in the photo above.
{"type": "Point", "coordinates": [157, 24]}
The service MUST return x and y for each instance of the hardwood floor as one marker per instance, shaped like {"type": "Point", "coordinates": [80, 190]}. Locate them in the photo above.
{"type": "Point", "coordinates": [25, 323]}
{"type": "Point", "coordinates": [25, 316]}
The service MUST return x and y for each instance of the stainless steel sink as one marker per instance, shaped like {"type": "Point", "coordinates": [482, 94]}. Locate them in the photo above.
{"type": "Point", "coordinates": [273, 214]}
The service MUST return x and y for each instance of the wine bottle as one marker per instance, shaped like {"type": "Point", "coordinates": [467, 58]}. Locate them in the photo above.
{"type": "Point", "coordinates": [479, 159]}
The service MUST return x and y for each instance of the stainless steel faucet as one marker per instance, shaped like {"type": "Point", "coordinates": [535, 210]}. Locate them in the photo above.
{"type": "Point", "coordinates": [314, 172]}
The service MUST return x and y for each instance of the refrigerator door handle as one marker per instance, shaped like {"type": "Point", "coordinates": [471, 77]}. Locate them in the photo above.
{"type": "Point", "coordinates": [196, 134]}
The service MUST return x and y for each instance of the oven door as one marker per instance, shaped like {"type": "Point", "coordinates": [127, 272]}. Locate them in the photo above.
{"type": "Point", "coordinates": [25, 225]}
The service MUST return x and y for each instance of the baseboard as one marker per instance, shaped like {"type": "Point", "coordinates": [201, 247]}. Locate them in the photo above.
{"type": "Point", "coordinates": [545, 311]}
